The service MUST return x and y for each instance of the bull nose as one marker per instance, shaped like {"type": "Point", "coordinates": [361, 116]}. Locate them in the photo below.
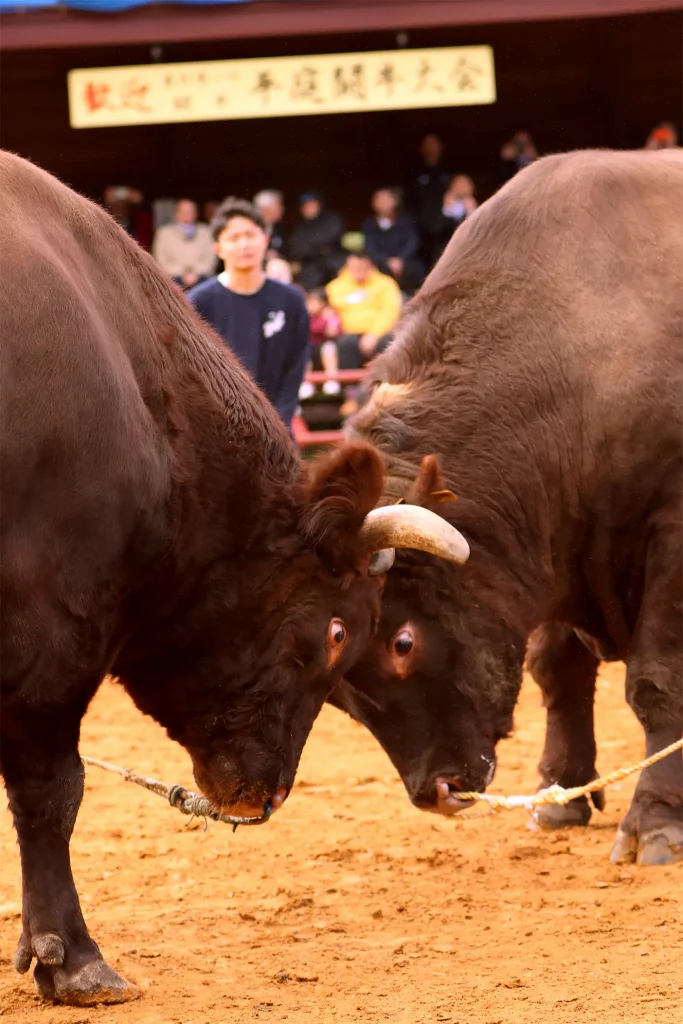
{"type": "Point", "coordinates": [447, 800]}
{"type": "Point", "coordinates": [244, 809]}
{"type": "Point", "coordinates": [278, 798]}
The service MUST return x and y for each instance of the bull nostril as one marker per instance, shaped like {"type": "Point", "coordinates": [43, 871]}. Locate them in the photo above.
{"type": "Point", "coordinates": [447, 786]}
{"type": "Point", "coordinates": [278, 798]}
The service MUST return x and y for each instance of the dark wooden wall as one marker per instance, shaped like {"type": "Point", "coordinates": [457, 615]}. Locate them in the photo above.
{"type": "Point", "coordinates": [594, 82]}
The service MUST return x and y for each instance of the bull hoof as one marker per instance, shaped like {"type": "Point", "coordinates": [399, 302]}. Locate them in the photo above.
{"type": "Point", "coordinates": [660, 846]}
{"type": "Point", "coordinates": [576, 812]}
{"type": "Point", "coordinates": [625, 849]}
{"type": "Point", "coordinates": [665, 846]}
{"type": "Point", "coordinates": [94, 982]}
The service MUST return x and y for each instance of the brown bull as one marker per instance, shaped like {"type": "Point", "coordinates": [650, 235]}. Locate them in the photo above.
{"type": "Point", "coordinates": [542, 362]}
{"type": "Point", "coordinates": [156, 525]}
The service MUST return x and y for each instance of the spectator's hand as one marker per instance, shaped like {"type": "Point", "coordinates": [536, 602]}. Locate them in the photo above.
{"type": "Point", "coordinates": [395, 265]}
{"type": "Point", "coordinates": [190, 279]}
{"type": "Point", "coordinates": [521, 144]}
{"type": "Point", "coordinates": [368, 344]}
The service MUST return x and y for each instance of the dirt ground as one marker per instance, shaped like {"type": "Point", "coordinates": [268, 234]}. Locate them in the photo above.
{"type": "Point", "coordinates": [352, 906]}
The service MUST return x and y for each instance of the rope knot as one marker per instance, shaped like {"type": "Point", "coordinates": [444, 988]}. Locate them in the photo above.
{"type": "Point", "coordinates": [177, 796]}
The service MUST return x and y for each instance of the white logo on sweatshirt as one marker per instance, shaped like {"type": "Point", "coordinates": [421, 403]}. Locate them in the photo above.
{"type": "Point", "coordinates": [274, 323]}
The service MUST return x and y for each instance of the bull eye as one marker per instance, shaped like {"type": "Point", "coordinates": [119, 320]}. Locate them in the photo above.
{"type": "Point", "coordinates": [337, 632]}
{"type": "Point", "coordinates": [336, 638]}
{"type": "Point", "coordinates": [403, 643]}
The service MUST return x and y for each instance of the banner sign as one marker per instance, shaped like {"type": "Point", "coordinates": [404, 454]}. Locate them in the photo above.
{"type": "Point", "coordinates": [223, 90]}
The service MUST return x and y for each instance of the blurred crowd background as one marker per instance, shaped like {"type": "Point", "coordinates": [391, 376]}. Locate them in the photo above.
{"type": "Point", "coordinates": [407, 224]}
{"type": "Point", "coordinates": [382, 258]}
{"type": "Point", "coordinates": [359, 205]}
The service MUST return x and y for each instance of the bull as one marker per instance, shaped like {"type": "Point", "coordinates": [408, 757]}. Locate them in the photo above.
{"type": "Point", "coordinates": [158, 526]}
{"type": "Point", "coordinates": [541, 363]}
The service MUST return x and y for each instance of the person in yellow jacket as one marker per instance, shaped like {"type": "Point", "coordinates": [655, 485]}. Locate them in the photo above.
{"type": "Point", "coordinates": [368, 305]}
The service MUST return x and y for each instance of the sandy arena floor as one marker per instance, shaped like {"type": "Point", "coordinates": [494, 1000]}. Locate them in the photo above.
{"type": "Point", "coordinates": [351, 905]}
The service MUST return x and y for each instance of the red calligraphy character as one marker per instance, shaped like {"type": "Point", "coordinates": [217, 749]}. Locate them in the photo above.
{"type": "Point", "coordinates": [97, 96]}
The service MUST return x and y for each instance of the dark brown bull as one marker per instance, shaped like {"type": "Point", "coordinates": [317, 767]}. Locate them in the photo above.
{"type": "Point", "coordinates": [542, 363]}
{"type": "Point", "coordinates": [156, 525]}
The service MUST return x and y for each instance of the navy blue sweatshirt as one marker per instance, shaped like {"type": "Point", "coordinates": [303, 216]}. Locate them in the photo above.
{"type": "Point", "coordinates": [267, 331]}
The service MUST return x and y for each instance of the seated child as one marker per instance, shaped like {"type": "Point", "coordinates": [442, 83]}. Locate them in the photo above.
{"type": "Point", "coordinates": [324, 327]}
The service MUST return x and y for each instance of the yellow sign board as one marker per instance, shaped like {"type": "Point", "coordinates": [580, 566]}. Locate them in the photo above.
{"type": "Point", "coordinates": [222, 90]}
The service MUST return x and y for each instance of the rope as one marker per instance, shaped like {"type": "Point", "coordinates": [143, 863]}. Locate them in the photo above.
{"type": "Point", "coordinates": [198, 806]}
{"type": "Point", "coordinates": [558, 794]}
{"type": "Point", "coordinates": [183, 800]}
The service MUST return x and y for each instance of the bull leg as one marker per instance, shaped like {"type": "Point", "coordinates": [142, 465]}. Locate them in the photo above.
{"type": "Point", "coordinates": [566, 671]}
{"type": "Point", "coordinates": [44, 780]}
{"type": "Point", "coordinates": [652, 831]}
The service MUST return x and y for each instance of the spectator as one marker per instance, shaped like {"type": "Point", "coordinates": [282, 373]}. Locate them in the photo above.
{"type": "Point", "coordinates": [427, 182]}
{"type": "Point", "coordinates": [127, 207]}
{"type": "Point", "coordinates": [324, 329]}
{"type": "Point", "coordinates": [278, 270]}
{"type": "Point", "coordinates": [264, 322]}
{"type": "Point", "coordinates": [663, 136]}
{"type": "Point", "coordinates": [516, 154]}
{"type": "Point", "coordinates": [209, 210]}
{"type": "Point", "coordinates": [270, 205]}
{"type": "Point", "coordinates": [184, 248]}
{"type": "Point", "coordinates": [163, 212]}
{"type": "Point", "coordinates": [393, 241]}
{"type": "Point", "coordinates": [458, 203]}
{"type": "Point", "coordinates": [368, 305]}
{"type": "Point", "coordinates": [315, 243]}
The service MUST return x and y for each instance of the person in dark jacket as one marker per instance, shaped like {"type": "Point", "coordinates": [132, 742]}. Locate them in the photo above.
{"type": "Point", "coordinates": [427, 182]}
{"type": "Point", "coordinates": [270, 204]}
{"type": "Point", "coordinates": [264, 322]}
{"type": "Point", "coordinates": [315, 243]}
{"type": "Point", "coordinates": [128, 208]}
{"type": "Point", "coordinates": [393, 241]}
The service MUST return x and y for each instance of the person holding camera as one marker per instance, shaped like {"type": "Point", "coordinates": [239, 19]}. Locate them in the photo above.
{"type": "Point", "coordinates": [458, 204]}
{"type": "Point", "coordinates": [516, 154]}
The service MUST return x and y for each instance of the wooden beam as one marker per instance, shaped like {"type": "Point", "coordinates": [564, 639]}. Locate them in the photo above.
{"type": "Point", "coordinates": [165, 24]}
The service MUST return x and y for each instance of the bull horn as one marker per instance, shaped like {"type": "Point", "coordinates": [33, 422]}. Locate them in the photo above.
{"type": "Point", "coordinates": [411, 526]}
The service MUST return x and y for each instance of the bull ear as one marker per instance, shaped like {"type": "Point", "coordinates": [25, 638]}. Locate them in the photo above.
{"type": "Point", "coordinates": [429, 487]}
{"type": "Point", "coordinates": [343, 486]}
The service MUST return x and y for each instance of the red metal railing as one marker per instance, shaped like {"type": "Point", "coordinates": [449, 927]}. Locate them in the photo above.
{"type": "Point", "coordinates": [306, 438]}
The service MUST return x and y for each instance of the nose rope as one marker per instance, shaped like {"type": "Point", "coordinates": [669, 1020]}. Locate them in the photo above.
{"type": "Point", "coordinates": [196, 805]}
{"type": "Point", "coordinates": [184, 800]}
{"type": "Point", "coordinates": [558, 794]}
